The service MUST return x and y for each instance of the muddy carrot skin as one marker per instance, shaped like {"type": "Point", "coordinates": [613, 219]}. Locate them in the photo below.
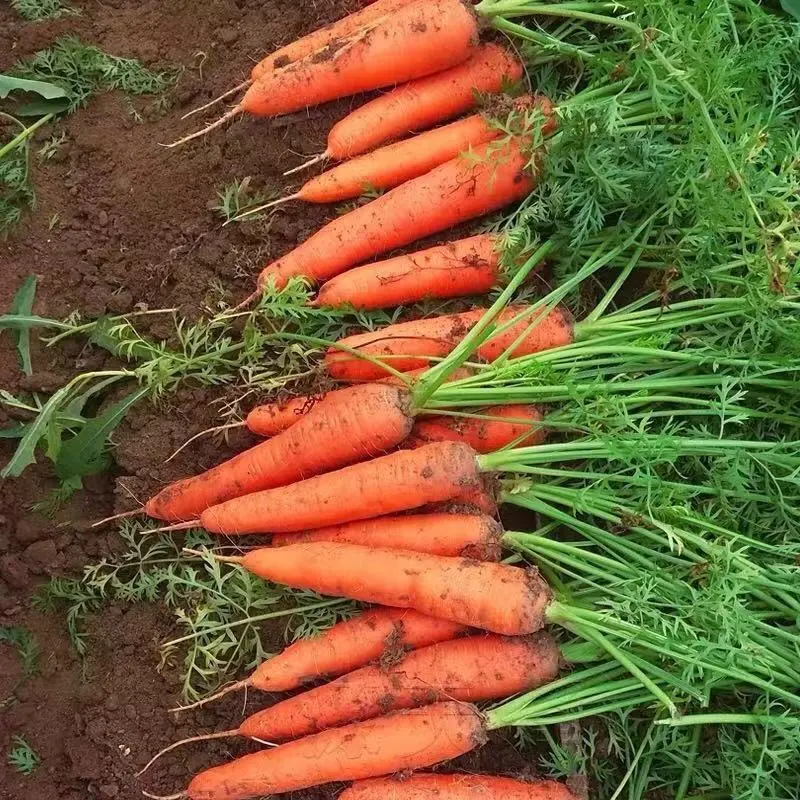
{"type": "Point", "coordinates": [430, 474]}
{"type": "Point", "coordinates": [466, 267]}
{"type": "Point", "coordinates": [456, 787]}
{"type": "Point", "coordinates": [414, 345]}
{"type": "Point", "coordinates": [471, 670]}
{"type": "Point", "coordinates": [493, 597]}
{"type": "Point", "coordinates": [431, 35]}
{"type": "Point", "coordinates": [468, 535]}
{"type": "Point", "coordinates": [349, 427]}
{"type": "Point", "coordinates": [512, 424]}
{"type": "Point", "coordinates": [406, 740]}
{"type": "Point", "coordinates": [422, 103]}
{"type": "Point", "coordinates": [491, 177]}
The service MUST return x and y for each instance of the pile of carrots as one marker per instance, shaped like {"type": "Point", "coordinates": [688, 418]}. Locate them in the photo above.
{"type": "Point", "coordinates": [367, 495]}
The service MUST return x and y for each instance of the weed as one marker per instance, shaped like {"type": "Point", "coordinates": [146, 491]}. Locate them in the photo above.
{"type": "Point", "coordinates": [35, 10]}
{"type": "Point", "coordinates": [236, 198]}
{"type": "Point", "coordinates": [22, 757]}
{"type": "Point", "coordinates": [51, 147]}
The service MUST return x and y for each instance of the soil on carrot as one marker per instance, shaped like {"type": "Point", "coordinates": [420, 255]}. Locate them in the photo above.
{"type": "Point", "coordinates": [121, 222]}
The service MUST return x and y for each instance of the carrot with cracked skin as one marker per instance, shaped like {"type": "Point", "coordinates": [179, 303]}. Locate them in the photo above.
{"type": "Point", "coordinates": [480, 497]}
{"type": "Point", "coordinates": [468, 535]}
{"type": "Point", "coordinates": [416, 344]}
{"type": "Point", "coordinates": [352, 425]}
{"type": "Point", "coordinates": [391, 165]}
{"type": "Point", "coordinates": [371, 636]}
{"type": "Point", "coordinates": [492, 177]}
{"type": "Point", "coordinates": [493, 597]}
{"type": "Point", "coordinates": [406, 740]}
{"type": "Point", "coordinates": [465, 267]}
{"type": "Point", "coordinates": [500, 427]}
{"type": "Point", "coordinates": [432, 35]}
{"type": "Point", "coordinates": [470, 670]}
{"type": "Point", "coordinates": [422, 103]}
{"type": "Point", "coordinates": [399, 481]}
{"type": "Point", "coordinates": [456, 787]}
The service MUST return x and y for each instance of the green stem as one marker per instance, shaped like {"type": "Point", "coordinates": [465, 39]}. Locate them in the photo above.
{"type": "Point", "coordinates": [24, 135]}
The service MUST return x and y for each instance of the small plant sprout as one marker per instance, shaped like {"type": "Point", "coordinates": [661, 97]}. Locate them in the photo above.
{"type": "Point", "coordinates": [22, 757]}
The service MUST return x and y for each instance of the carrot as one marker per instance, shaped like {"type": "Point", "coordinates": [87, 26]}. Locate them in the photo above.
{"type": "Point", "coordinates": [459, 190]}
{"type": "Point", "coordinates": [396, 482]}
{"type": "Point", "coordinates": [432, 35]}
{"type": "Point", "coordinates": [415, 374]}
{"type": "Point", "coordinates": [350, 426]}
{"type": "Point", "coordinates": [269, 419]}
{"type": "Point", "coordinates": [493, 597]}
{"type": "Point", "coordinates": [470, 535]}
{"type": "Point", "coordinates": [501, 427]}
{"type": "Point", "coordinates": [377, 634]}
{"type": "Point", "coordinates": [422, 103]}
{"type": "Point", "coordinates": [412, 345]}
{"type": "Point", "coordinates": [455, 787]}
{"type": "Point", "coordinates": [469, 670]}
{"type": "Point", "coordinates": [465, 267]}
{"type": "Point", "coordinates": [480, 497]}
{"type": "Point", "coordinates": [407, 740]}
{"type": "Point", "coordinates": [392, 165]}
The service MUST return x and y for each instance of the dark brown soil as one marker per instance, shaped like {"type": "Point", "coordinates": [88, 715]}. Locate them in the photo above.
{"type": "Point", "coordinates": [121, 221]}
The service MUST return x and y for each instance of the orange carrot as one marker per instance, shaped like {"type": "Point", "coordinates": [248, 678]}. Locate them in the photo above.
{"type": "Point", "coordinates": [412, 345]}
{"type": "Point", "coordinates": [501, 427]}
{"type": "Point", "coordinates": [455, 787]}
{"type": "Point", "coordinates": [406, 740]}
{"type": "Point", "coordinates": [380, 634]}
{"type": "Point", "coordinates": [480, 497]}
{"type": "Point", "coordinates": [350, 426]}
{"type": "Point", "coordinates": [493, 597]}
{"type": "Point", "coordinates": [396, 482]}
{"type": "Point", "coordinates": [493, 176]}
{"type": "Point", "coordinates": [419, 104]}
{"type": "Point", "coordinates": [392, 165]}
{"type": "Point", "coordinates": [269, 419]}
{"type": "Point", "coordinates": [469, 670]}
{"type": "Point", "coordinates": [415, 374]}
{"type": "Point", "coordinates": [468, 266]}
{"type": "Point", "coordinates": [469, 535]}
{"type": "Point", "coordinates": [432, 35]}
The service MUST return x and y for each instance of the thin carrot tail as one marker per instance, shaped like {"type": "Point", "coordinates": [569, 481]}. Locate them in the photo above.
{"type": "Point", "coordinates": [206, 737]}
{"type": "Point", "coordinates": [233, 687]}
{"type": "Point", "coordinates": [243, 305]}
{"type": "Point", "coordinates": [178, 796]}
{"type": "Point", "coordinates": [203, 433]}
{"type": "Point", "coordinates": [225, 95]}
{"type": "Point", "coordinates": [178, 526]}
{"type": "Point", "coordinates": [123, 515]}
{"type": "Point", "coordinates": [234, 112]}
{"type": "Point", "coordinates": [223, 559]}
{"type": "Point", "coordinates": [310, 163]}
{"type": "Point", "coordinates": [250, 211]}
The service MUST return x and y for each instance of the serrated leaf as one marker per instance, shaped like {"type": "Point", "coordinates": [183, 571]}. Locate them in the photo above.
{"type": "Point", "coordinates": [102, 338]}
{"type": "Point", "coordinates": [40, 108]}
{"type": "Point", "coordinates": [21, 306]}
{"type": "Point", "coordinates": [14, 432]}
{"type": "Point", "coordinates": [44, 89]}
{"type": "Point", "coordinates": [85, 454]}
{"type": "Point", "coordinates": [791, 7]}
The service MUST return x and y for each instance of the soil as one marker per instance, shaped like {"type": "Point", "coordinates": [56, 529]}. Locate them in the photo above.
{"type": "Point", "coordinates": [120, 221]}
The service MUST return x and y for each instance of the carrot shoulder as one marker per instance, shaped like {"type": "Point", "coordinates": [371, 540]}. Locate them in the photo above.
{"type": "Point", "coordinates": [493, 597]}
{"type": "Point", "coordinates": [350, 427]}
{"type": "Point", "coordinates": [491, 177]}
{"type": "Point", "coordinates": [408, 740]}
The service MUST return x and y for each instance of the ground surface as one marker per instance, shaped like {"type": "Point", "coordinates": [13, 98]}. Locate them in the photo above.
{"type": "Point", "coordinates": [121, 221]}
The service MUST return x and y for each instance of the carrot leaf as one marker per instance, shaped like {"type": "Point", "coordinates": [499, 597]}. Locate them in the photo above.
{"type": "Point", "coordinates": [22, 305]}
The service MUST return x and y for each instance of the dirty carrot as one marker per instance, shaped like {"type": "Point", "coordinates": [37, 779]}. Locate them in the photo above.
{"type": "Point", "coordinates": [493, 597]}
{"type": "Point", "coordinates": [416, 344]}
{"type": "Point", "coordinates": [456, 787]}
{"type": "Point", "coordinates": [407, 740]}
{"type": "Point", "coordinates": [469, 535]}
{"type": "Point", "coordinates": [373, 635]}
{"type": "Point", "coordinates": [471, 670]}
{"type": "Point", "coordinates": [350, 426]}
{"type": "Point", "coordinates": [400, 481]}
{"type": "Point", "coordinates": [420, 104]}
{"type": "Point", "coordinates": [465, 267]}
{"type": "Point", "coordinates": [493, 176]}
{"type": "Point", "coordinates": [432, 35]}
{"type": "Point", "coordinates": [391, 165]}
{"type": "Point", "coordinates": [492, 429]}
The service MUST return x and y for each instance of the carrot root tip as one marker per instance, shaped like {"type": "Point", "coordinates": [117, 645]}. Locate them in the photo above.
{"type": "Point", "coordinates": [123, 515]}
{"type": "Point", "coordinates": [306, 164]}
{"type": "Point", "coordinates": [234, 687]}
{"type": "Point", "coordinates": [235, 111]}
{"type": "Point", "coordinates": [234, 90]}
{"type": "Point", "coordinates": [206, 737]}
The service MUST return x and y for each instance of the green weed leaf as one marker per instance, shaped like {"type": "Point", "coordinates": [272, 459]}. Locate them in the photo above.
{"type": "Point", "coordinates": [22, 305]}
{"type": "Point", "coordinates": [39, 108]}
{"type": "Point", "coordinates": [44, 89]}
{"type": "Point", "coordinates": [791, 7]}
{"type": "Point", "coordinates": [85, 454]}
